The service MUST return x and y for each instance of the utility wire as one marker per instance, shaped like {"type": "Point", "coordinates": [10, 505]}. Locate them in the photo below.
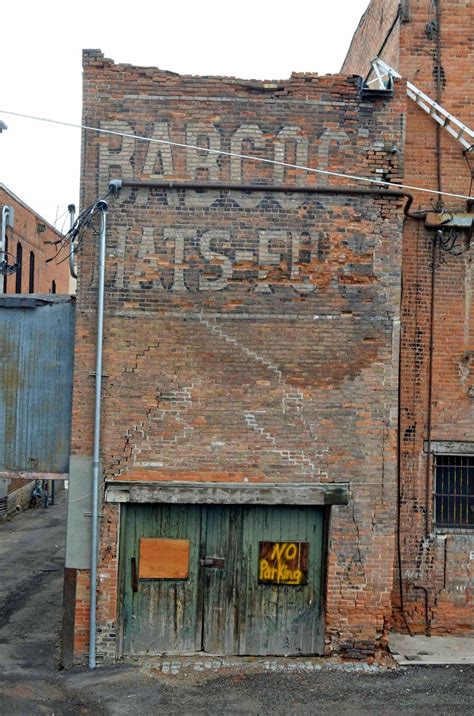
{"type": "Point", "coordinates": [73, 238]}
{"type": "Point", "coordinates": [222, 152]}
{"type": "Point", "coordinates": [58, 219]}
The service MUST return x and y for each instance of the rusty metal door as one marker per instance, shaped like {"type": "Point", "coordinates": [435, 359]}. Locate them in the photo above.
{"type": "Point", "coordinates": [221, 579]}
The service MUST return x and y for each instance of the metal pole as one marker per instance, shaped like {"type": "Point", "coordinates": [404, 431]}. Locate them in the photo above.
{"type": "Point", "coordinates": [72, 216]}
{"type": "Point", "coordinates": [7, 220]}
{"type": "Point", "coordinates": [102, 207]}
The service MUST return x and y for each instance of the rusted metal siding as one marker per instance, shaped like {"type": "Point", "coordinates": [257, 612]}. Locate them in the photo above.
{"type": "Point", "coordinates": [36, 349]}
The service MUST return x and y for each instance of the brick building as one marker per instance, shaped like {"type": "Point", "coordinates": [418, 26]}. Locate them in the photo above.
{"type": "Point", "coordinates": [27, 237]}
{"type": "Point", "coordinates": [256, 491]}
{"type": "Point", "coordinates": [432, 44]}
{"type": "Point", "coordinates": [250, 371]}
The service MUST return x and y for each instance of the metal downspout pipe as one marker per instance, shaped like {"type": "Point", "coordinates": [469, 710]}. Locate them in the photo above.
{"type": "Point", "coordinates": [102, 207]}
{"type": "Point", "coordinates": [72, 217]}
{"type": "Point", "coordinates": [7, 220]}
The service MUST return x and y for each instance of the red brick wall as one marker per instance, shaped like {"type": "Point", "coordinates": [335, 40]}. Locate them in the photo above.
{"type": "Point", "coordinates": [437, 562]}
{"type": "Point", "coordinates": [378, 34]}
{"type": "Point", "coordinates": [441, 565]}
{"type": "Point", "coordinates": [248, 336]}
{"type": "Point", "coordinates": [82, 603]}
{"type": "Point", "coordinates": [25, 231]}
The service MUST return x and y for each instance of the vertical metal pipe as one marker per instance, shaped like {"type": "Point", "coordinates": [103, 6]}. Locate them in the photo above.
{"type": "Point", "coordinates": [438, 69]}
{"type": "Point", "coordinates": [429, 459]}
{"type": "Point", "coordinates": [72, 215]}
{"type": "Point", "coordinates": [3, 241]}
{"type": "Point", "coordinates": [399, 467]}
{"type": "Point", "coordinates": [427, 609]}
{"type": "Point", "coordinates": [102, 207]}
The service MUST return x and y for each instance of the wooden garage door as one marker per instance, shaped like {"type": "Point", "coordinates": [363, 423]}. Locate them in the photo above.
{"type": "Point", "coordinates": [221, 579]}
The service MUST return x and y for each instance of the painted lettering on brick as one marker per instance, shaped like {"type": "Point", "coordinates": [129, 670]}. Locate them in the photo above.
{"type": "Point", "coordinates": [119, 157]}
{"type": "Point", "coordinates": [188, 260]}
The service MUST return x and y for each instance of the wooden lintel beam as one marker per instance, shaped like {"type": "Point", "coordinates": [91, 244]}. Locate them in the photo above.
{"type": "Point", "coordinates": [230, 494]}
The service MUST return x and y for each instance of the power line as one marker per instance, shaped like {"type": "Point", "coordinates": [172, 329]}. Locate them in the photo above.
{"type": "Point", "coordinates": [58, 218]}
{"type": "Point", "coordinates": [223, 152]}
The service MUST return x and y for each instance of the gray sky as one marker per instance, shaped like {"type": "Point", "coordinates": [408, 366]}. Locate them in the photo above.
{"type": "Point", "coordinates": [40, 55]}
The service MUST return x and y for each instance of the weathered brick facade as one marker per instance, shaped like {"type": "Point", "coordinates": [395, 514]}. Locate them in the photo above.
{"type": "Point", "coordinates": [33, 233]}
{"type": "Point", "coordinates": [250, 335]}
{"type": "Point", "coordinates": [439, 561]}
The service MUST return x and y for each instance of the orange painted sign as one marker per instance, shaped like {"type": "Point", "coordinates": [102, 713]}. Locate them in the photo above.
{"type": "Point", "coordinates": [283, 563]}
{"type": "Point", "coordinates": [162, 558]}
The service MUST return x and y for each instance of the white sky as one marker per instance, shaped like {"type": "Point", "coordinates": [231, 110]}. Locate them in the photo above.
{"type": "Point", "coordinates": [40, 64]}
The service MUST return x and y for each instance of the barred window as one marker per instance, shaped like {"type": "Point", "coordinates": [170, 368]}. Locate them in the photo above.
{"type": "Point", "coordinates": [454, 491]}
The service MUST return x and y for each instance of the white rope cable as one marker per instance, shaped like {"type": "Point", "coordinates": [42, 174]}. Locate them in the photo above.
{"type": "Point", "coordinates": [222, 152]}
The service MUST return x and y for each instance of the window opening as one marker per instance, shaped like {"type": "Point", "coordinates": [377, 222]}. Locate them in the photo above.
{"type": "Point", "coordinates": [53, 287]}
{"type": "Point", "coordinates": [19, 260]}
{"type": "Point", "coordinates": [454, 491]}
{"type": "Point", "coordinates": [31, 282]}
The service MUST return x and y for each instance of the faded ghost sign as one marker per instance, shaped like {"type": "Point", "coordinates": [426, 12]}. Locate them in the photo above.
{"type": "Point", "coordinates": [185, 260]}
{"type": "Point", "coordinates": [118, 155]}
{"type": "Point", "coordinates": [283, 563]}
{"type": "Point", "coordinates": [210, 241]}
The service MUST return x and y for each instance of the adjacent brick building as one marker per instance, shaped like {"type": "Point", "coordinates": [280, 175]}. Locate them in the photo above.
{"type": "Point", "coordinates": [29, 244]}
{"type": "Point", "coordinates": [250, 367]}
{"type": "Point", "coordinates": [432, 44]}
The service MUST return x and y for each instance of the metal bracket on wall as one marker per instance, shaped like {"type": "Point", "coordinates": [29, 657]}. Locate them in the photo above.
{"type": "Point", "coordinates": [461, 132]}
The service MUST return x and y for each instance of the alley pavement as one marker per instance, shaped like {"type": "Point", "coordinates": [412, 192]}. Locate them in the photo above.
{"type": "Point", "coordinates": [31, 563]}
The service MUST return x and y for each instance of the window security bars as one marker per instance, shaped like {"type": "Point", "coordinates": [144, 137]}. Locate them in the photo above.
{"type": "Point", "coordinates": [454, 491]}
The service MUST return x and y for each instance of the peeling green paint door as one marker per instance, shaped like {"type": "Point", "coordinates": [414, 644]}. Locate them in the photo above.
{"type": "Point", "coordinates": [221, 579]}
{"type": "Point", "coordinates": [159, 615]}
{"type": "Point", "coordinates": [224, 606]}
{"type": "Point", "coordinates": [280, 618]}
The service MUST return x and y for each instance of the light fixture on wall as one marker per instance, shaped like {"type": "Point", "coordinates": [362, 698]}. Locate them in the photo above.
{"type": "Point", "coordinates": [6, 268]}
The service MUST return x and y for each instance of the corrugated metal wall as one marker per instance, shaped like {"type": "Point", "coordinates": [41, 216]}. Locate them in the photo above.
{"type": "Point", "coordinates": [36, 365]}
